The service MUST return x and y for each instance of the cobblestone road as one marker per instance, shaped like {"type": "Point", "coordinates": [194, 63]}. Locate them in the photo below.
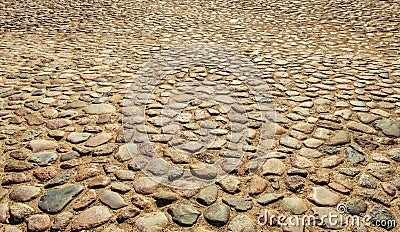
{"type": "Point", "coordinates": [199, 115]}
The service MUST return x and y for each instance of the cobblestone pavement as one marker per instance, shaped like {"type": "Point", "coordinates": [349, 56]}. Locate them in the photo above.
{"type": "Point", "coordinates": [199, 115]}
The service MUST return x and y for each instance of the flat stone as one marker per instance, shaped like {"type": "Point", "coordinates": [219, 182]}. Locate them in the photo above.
{"type": "Point", "coordinates": [192, 147]}
{"type": "Point", "coordinates": [356, 126]}
{"type": "Point", "coordinates": [184, 214]}
{"type": "Point", "coordinates": [43, 159]}
{"type": "Point", "coordinates": [99, 139]}
{"type": "Point", "coordinates": [367, 118]}
{"type": "Point", "coordinates": [99, 109]}
{"type": "Point", "coordinates": [76, 137]}
{"type": "Point", "coordinates": [61, 221]}
{"type": "Point", "coordinates": [394, 154]}
{"type": "Point", "coordinates": [126, 214]}
{"type": "Point", "coordinates": [38, 223]}
{"type": "Point", "coordinates": [290, 142]}
{"type": "Point", "coordinates": [294, 205]}
{"type": "Point", "coordinates": [330, 219]}
{"type": "Point", "coordinates": [112, 199]}
{"type": "Point", "coordinates": [354, 155]}
{"type": "Point", "coordinates": [154, 222]}
{"type": "Point", "coordinates": [381, 171]}
{"type": "Point", "coordinates": [257, 185]}
{"type": "Point", "coordinates": [273, 167]}
{"type": "Point", "coordinates": [145, 185]}
{"type": "Point", "coordinates": [204, 171]}
{"type": "Point", "coordinates": [55, 124]}
{"type": "Point", "coordinates": [230, 184]}
{"type": "Point", "coordinates": [208, 195]}
{"type": "Point", "coordinates": [388, 127]}
{"type": "Point", "coordinates": [217, 215]}
{"type": "Point", "coordinates": [125, 175]}
{"type": "Point", "coordinates": [300, 162]}
{"type": "Point", "coordinates": [269, 198]}
{"type": "Point", "coordinates": [91, 218]}
{"type": "Point", "coordinates": [42, 145]}
{"type": "Point", "coordinates": [340, 138]}
{"type": "Point", "coordinates": [4, 210]}
{"type": "Point", "coordinates": [164, 198]}
{"type": "Point", "coordinates": [24, 193]}
{"type": "Point", "coordinates": [239, 203]}
{"type": "Point", "coordinates": [20, 211]}
{"type": "Point", "coordinates": [367, 182]}
{"type": "Point", "coordinates": [55, 200]}
{"type": "Point", "coordinates": [356, 206]}
{"type": "Point", "coordinates": [322, 196]}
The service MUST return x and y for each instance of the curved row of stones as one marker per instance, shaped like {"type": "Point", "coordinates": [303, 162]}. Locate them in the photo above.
{"type": "Point", "coordinates": [67, 68]}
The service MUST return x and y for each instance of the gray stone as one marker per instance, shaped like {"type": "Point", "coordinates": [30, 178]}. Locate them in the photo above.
{"type": "Point", "coordinates": [55, 200]}
{"type": "Point", "coordinates": [269, 198]}
{"type": "Point", "coordinates": [367, 182]}
{"type": "Point", "coordinates": [239, 203]}
{"type": "Point", "coordinates": [354, 156]}
{"type": "Point", "coordinates": [155, 222]}
{"type": "Point", "coordinates": [184, 214]}
{"type": "Point", "coordinates": [388, 127]}
{"type": "Point", "coordinates": [356, 206]}
{"type": "Point", "coordinates": [394, 154]}
{"type": "Point", "coordinates": [208, 195]}
{"type": "Point", "coordinates": [294, 205]}
{"type": "Point", "coordinates": [217, 215]}
{"type": "Point", "coordinates": [112, 199]}
{"type": "Point", "coordinates": [43, 159]}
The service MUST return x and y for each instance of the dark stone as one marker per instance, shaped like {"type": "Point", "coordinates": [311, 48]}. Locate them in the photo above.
{"type": "Point", "coordinates": [55, 200]}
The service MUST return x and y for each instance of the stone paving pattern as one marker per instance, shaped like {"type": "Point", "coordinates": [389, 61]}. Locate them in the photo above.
{"type": "Point", "coordinates": [333, 68]}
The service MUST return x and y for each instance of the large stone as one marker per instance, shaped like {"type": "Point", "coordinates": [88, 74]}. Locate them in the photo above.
{"type": "Point", "coordinates": [99, 109]}
{"type": "Point", "coordinates": [38, 223]}
{"type": "Point", "coordinates": [24, 193]}
{"type": "Point", "coordinates": [42, 145]}
{"type": "Point", "coordinates": [155, 222]}
{"type": "Point", "coordinates": [394, 154]}
{"type": "Point", "coordinates": [91, 218]}
{"type": "Point", "coordinates": [381, 171]}
{"type": "Point", "coordinates": [388, 127]}
{"type": "Point", "coordinates": [184, 214]}
{"type": "Point", "coordinates": [294, 205]}
{"type": "Point", "coordinates": [99, 139]}
{"type": "Point", "coordinates": [76, 137]}
{"type": "Point", "coordinates": [323, 197]}
{"type": "Point", "coordinates": [112, 199]}
{"type": "Point", "coordinates": [273, 167]}
{"type": "Point", "coordinates": [55, 200]}
{"type": "Point", "coordinates": [208, 195]}
{"type": "Point", "coordinates": [340, 138]}
{"type": "Point", "coordinates": [217, 215]}
{"type": "Point", "coordinates": [239, 203]}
